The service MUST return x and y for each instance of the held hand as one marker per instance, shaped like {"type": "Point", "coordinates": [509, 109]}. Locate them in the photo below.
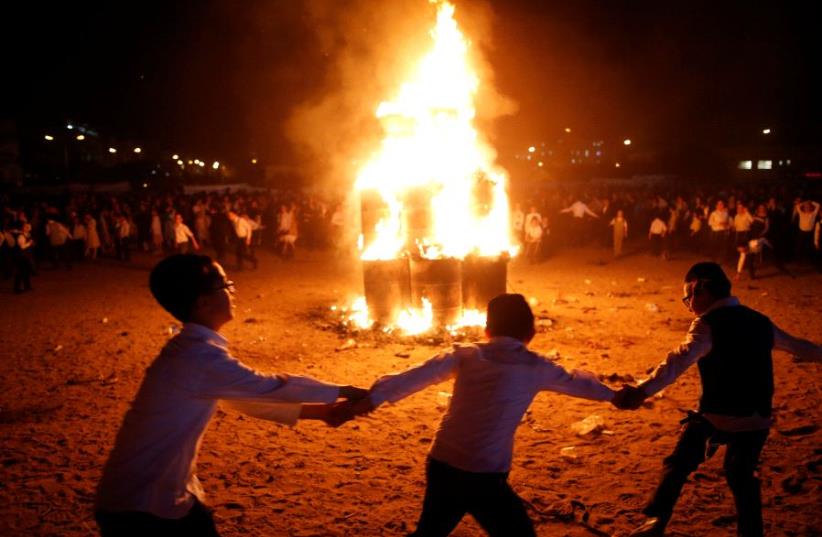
{"type": "Point", "coordinates": [353, 393]}
{"type": "Point", "coordinates": [339, 413]}
{"type": "Point", "coordinates": [629, 398]}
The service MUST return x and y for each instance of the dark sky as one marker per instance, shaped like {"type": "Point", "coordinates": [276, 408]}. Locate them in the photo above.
{"type": "Point", "coordinates": [220, 77]}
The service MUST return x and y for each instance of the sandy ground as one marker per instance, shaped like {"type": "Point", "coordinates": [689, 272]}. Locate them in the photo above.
{"type": "Point", "coordinates": [74, 351]}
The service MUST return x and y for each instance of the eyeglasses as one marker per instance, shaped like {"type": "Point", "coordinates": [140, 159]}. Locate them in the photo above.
{"type": "Point", "coordinates": [225, 284]}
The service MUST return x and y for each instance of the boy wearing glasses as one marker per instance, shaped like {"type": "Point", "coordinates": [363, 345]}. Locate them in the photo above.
{"type": "Point", "coordinates": [148, 485]}
{"type": "Point", "coordinates": [731, 344]}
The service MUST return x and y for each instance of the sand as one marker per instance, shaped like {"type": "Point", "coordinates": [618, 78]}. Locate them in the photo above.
{"type": "Point", "coordinates": [74, 351]}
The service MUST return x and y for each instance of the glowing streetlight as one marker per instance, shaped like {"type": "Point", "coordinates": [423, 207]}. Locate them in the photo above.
{"type": "Point", "coordinates": [766, 131]}
{"type": "Point", "coordinates": [216, 165]}
{"type": "Point", "coordinates": [138, 150]}
{"type": "Point", "coordinates": [190, 162]}
{"type": "Point", "coordinates": [568, 130]}
{"type": "Point", "coordinates": [626, 141]}
{"type": "Point", "coordinates": [69, 126]}
{"type": "Point", "coordinates": [253, 161]}
{"type": "Point", "coordinates": [180, 162]}
{"type": "Point", "coordinates": [48, 137]}
{"type": "Point", "coordinates": [539, 164]}
{"type": "Point", "coordinates": [201, 164]}
{"type": "Point", "coordinates": [80, 137]}
{"type": "Point", "coordinates": [617, 165]}
{"type": "Point", "coordinates": [112, 150]}
{"type": "Point", "coordinates": [175, 156]}
{"type": "Point", "coordinates": [532, 149]}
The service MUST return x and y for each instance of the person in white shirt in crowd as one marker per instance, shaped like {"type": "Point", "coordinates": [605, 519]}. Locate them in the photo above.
{"type": "Point", "coordinates": [656, 235]}
{"type": "Point", "coordinates": [24, 259]}
{"type": "Point", "coordinates": [149, 485]}
{"type": "Point", "coordinates": [122, 236]}
{"type": "Point", "coordinates": [494, 384]}
{"type": "Point", "coordinates": [92, 237]}
{"type": "Point", "coordinates": [184, 239]}
{"type": "Point", "coordinates": [59, 237]}
{"type": "Point", "coordinates": [719, 222]}
{"type": "Point", "coordinates": [287, 230]}
{"type": "Point", "coordinates": [533, 235]}
{"type": "Point", "coordinates": [242, 236]}
{"type": "Point", "coordinates": [742, 225]}
{"type": "Point", "coordinates": [731, 345]}
{"type": "Point", "coordinates": [805, 213]}
{"type": "Point", "coordinates": [620, 231]}
{"type": "Point", "coordinates": [579, 211]}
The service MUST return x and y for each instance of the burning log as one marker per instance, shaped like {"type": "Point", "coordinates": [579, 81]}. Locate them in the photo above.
{"type": "Point", "coordinates": [439, 281]}
{"type": "Point", "coordinates": [483, 278]}
{"type": "Point", "coordinates": [387, 288]}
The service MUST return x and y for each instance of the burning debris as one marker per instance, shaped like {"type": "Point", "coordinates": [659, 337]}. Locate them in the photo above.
{"type": "Point", "coordinates": [436, 235]}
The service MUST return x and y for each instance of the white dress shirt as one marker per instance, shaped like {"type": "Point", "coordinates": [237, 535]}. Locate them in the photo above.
{"type": "Point", "coordinates": [182, 233]}
{"type": "Point", "coordinates": [152, 466]}
{"type": "Point", "coordinates": [495, 384]}
{"type": "Point", "coordinates": [578, 210]}
{"type": "Point", "coordinates": [658, 227]}
{"type": "Point", "coordinates": [719, 220]}
{"type": "Point", "coordinates": [698, 343]}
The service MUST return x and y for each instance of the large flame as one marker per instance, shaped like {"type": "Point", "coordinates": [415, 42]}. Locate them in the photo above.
{"type": "Point", "coordinates": [432, 146]}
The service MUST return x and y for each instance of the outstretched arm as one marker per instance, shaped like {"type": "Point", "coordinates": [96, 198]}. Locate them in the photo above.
{"type": "Point", "coordinates": [802, 349]}
{"type": "Point", "coordinates": [697, 343]}
{"type": "Point", "coordinates": [397, 386]}
{"type": "Point", "coordinates": [577, 383]}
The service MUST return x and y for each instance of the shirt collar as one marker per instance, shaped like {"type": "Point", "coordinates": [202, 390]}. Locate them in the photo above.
{"type": "Point", "coordinates": [722, 303]}
{"type": "Point", "coordinates": [199, 331]}
{"type": "Point", "coordinates": [505, 342]}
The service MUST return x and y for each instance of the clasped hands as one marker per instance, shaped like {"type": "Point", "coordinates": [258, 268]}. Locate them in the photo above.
{"type": "Point", "coordinates": [629, 397]}
{"type": "Point", "coordinates": [356, 403]}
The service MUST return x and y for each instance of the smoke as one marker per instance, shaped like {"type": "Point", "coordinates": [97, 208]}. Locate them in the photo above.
{"type": "Point", "coordinates": [369, 48]}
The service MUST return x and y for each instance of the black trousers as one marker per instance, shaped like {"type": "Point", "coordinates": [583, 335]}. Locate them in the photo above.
{"type": "Point", "coordinates": [197, 523]}
{"type": "Point", "coordinates": [23, 269]}
{"type": "Point", "coordinates": [741, 459]}
{"type": "Point", "coordinates": [450, 493]}
{"type": "Point", "coordinates": [245, 252]}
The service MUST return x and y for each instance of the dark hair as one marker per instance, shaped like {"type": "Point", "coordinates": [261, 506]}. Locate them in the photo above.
{"type": "Point", "coordinates": [178, 280]}
{"type": "Point", "coordinates": [711, 277]}
{"type": "Point", "coordinates": [510, 315]}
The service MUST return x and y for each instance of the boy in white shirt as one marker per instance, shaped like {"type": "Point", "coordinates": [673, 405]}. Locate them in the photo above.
{"type": "Point", "coordinates": [148, 485]}
{"type": "Point", "coordinates": [495, 382]}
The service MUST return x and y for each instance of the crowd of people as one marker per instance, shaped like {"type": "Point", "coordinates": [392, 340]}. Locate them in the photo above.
{"type": "Point", "coordinates": [745, 226]}
{"type": "Point", "coordinates": [85, 227]}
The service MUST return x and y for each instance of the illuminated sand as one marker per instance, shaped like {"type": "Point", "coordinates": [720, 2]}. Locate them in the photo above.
{"type": "Point", "coordinates": [67, 378]}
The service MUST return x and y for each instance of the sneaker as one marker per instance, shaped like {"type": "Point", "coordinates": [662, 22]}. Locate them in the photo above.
{"type": "Point", "coordinates": [652, 527]}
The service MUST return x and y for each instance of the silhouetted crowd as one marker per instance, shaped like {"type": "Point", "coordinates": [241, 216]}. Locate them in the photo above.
{"type": "Point", "coordinates": [745, 226]}
{"type": "Point", "coordinates": [85, 227]}
{"type": "Point", "coordinates": [748, 226]}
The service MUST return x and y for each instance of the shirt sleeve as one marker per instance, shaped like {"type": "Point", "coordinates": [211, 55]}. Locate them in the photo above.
{"type": "Point", "coordinates": [801, 348]}
{"type": "Point", "coordinates": [224, 377]}
{"type": "Point", "coordinates": [698, 343]}
{"type": "Point", "coordinates": [577, 383]}
{"type": "Point", "coordinates": [285, 413]}
{"type": "Point", "coordinates": [397, 386]}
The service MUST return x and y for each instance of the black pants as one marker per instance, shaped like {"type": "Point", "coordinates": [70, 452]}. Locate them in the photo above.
{"type": "Point", "coordinates": [245, 252]}
{"type": "Point", "coordinates": [741, 460]}
{"type": "Point", "coordinates": [23, 269]}
{"type": "Point", "coordinates": [197, 523]}
{"type": "Point", "coordinates": [450, 493]}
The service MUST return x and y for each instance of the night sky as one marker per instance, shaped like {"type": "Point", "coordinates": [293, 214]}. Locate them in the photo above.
{"type": "Point", "coordinates": [223, 77]}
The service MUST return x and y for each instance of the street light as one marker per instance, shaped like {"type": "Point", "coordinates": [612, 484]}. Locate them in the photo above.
{"type": "Point", "coordinates": [568, 130]}
{"type": "Point", "coordinates": [532, 149]}
{"type": "Point", "coordinates": [216, 165]}
{"type": "Point", "coordinates": [69, 126]}
{"type": "Point", "coordinates": [138, 150]}
{"type": "Point", "coordinates": [112, 150]}
{"type": "Point", "coordinates": [175, 156]}
{"type": "Point", "coordinates": [253, 161]}
{"type": "Point", "coordinates": [626, 141]}
{"type": "Point", "coordinates": [617, 165]}
{"type": "Point", "coordinates": [766, 131]}
{"type": "Point", "coordinates": [48, 137]}
{"type": "Point", "coordinates": [81, 137]}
